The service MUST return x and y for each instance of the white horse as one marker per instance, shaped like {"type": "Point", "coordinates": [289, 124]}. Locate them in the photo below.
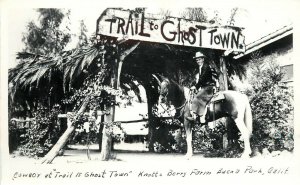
{"type": "Point", "coordinates": [235, 105]}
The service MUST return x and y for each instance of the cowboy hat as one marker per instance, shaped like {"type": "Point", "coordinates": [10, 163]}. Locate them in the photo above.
{"type": "Point", "coordinates": [199, 55]}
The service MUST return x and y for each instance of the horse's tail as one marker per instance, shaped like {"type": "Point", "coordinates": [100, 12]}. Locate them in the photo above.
{"type": "Point", "coordinates": [248, 116]}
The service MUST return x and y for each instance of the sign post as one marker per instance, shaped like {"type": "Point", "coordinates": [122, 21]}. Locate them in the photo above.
{"type": "Point", "coordinates": [139, 26]}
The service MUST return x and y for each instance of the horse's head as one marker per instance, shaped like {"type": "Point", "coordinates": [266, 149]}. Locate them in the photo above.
{"type": "Point", "coordinates": [164, 91]}
{"type": "Point", "coordinates": [170, 92]}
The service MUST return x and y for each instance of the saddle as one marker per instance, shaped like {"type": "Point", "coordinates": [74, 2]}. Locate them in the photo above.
{"type": "Point", "coordinates": [209, 111]}
{"type": "Point", "coordinates": [206, 99]}
{"type": "Point", "coordinates": [217, 97]}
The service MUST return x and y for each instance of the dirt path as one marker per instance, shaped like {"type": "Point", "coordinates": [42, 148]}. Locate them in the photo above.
{"type": "Point", "coordinates": [78, 154]}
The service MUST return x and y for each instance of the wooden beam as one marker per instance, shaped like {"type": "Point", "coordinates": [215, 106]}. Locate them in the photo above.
{"type": "Point", "coordinates": [123, 55]}
{"type": "Point", "coordinates": [66, 135]}
{"type": "Point", "coordinates": [99, 113]}
{"type": "Point", "coordinates": [223, 87]}
{"type": "Point", "coordinates": [223, 79]}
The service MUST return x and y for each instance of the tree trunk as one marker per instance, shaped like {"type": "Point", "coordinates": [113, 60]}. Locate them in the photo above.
{"type": "Point", "coordinates": [64, 138]}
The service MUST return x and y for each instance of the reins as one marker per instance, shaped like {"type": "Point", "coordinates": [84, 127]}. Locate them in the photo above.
{"type": "Point", "coordinates": [176, 108]}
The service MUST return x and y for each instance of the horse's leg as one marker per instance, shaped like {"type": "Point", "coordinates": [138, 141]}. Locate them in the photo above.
{"type": "Point", "coordinates": [232, 133]}
{"type": "Point", "coordinates": [188, 131]}
{"type": "Point", "coordinates": [245, 135]}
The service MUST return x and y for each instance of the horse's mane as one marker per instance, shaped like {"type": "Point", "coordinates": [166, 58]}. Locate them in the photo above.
{"type": "Point", "coordinates": [173, 83]}
{"type": "Point", "coordinates": [178, 91]}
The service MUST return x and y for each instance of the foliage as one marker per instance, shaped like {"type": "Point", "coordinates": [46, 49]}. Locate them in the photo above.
{"type": "Point", "coordinates": [42, 134]}
{"type": "Point", "coordinates": [271, 103]}
{"type": "Point", "coordinates": [88, 128]}
{"type": "Point", "coordinates": [57, 72]}
{"type": "Point", "coordinates": [101, 96]}
{"type": "Point", "coordinates": [47, 37]}
{"type": "Point", "coordinates": [206, 138]}
{"type": "Point", "coordinates": [170, 136]}
{"type": "Point", "coordinates": [15, 134]}
{"type": "Point", "coordinates": [84, 72]}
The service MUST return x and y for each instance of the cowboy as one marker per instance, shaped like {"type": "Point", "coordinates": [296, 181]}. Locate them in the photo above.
{"type": "Point", "coordinates": [207, 82]}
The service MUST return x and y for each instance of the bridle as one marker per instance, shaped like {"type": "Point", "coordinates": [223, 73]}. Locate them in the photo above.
{"type": "Point", "coordinates": [180, 108]}
{"type": "Point", "coordinates": [176, 108]}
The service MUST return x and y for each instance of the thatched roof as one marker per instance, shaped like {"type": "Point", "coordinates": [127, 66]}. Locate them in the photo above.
{"type": "Point", "coordinates": [32, 69]}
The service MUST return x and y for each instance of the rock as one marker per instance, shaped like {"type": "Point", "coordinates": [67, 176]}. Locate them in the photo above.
{"type": "Point", "coordinates": [61, 152]}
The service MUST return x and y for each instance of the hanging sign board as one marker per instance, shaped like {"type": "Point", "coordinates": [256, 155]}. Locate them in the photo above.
{"type": "Point", "coordinates": [170, 30]}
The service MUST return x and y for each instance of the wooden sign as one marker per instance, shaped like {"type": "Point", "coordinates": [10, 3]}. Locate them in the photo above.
{"type": "Point", "coordinates": [134, 25]}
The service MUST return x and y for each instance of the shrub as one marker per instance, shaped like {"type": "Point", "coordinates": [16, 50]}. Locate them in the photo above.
{"type": "Point", "coordinates": [42, 134]}
{"type": "Point", "coordinates": [15, 134]}
{"type": "Point", "coordinates": [207, 138]}
{"type": "Point", "coordinates": [272, 109]}
{"type": "Point", "coordinates": [169, 135]}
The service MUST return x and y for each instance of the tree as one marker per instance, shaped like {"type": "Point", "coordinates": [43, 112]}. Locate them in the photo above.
{"type": "Point", "coordinates": [47, 37]}
{"type": "Point", "coordinates": [196, 14]}
{"type": "Point", "coordinates": [82, 37]}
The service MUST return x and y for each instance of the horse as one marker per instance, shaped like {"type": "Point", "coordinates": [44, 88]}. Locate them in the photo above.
{"type": "Point", "coordinates": [235, 105]}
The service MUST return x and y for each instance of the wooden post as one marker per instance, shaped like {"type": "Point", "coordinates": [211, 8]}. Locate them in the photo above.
{"type": "Point", "coordinates": [106, 136]}
{"type": "Point", "coordinates": [119, 73]}
{"type": "Point", "coordinates": [223, 87]}
{"type": "Point", "coordinates": [100, 135]}
{"type": "Point", "coordinates": [115, 83]}
{"type": "Point", "coordinates": [151, 128]}
{"type": "Point", "coordinates": [66, 135]}
{"type": "Point", "coordinates": [223, 75]}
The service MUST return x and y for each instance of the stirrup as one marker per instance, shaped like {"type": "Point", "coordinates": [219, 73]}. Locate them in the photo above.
{"type": "Point", "coordinates": [215, 90]}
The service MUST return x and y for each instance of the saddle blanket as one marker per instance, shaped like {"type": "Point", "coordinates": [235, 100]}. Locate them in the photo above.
{"type": "Point", "coordinates": [216, 98]}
